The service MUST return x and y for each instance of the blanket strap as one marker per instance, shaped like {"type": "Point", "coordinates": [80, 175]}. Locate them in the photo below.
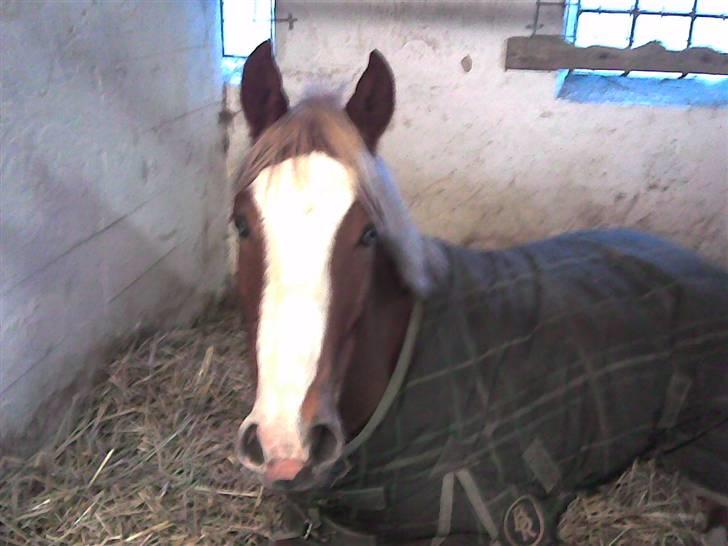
{"type": "Point", "coordinates": [677, 392]}
{"type": "Point", "coordinates": [542, 465]}
{"type": "Point", "coordinates": [310, 525]}
{"type": "Point", "coordinates": [444, 523]}
{"type": "Point", "coordinates": [476, 501]}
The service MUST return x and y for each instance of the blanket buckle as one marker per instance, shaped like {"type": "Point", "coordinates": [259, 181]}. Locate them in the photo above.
{"type": "Point", "coordinates": [307, 529]}
{"type": "Point", "coordinates": [311, 524]}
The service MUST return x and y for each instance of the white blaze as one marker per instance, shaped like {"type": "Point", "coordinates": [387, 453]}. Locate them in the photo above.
{"type": "Point", "coordinates": [302, 202]}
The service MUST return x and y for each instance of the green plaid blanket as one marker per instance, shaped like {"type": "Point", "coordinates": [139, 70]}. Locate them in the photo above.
{"type": "Point", "coordinates": [533, 372]}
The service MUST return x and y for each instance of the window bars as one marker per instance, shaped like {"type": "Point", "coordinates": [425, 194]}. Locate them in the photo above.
{"type": "Point", "coordinates": [687, 12]}
{"type": "Point", "coordinates": [630, 37]}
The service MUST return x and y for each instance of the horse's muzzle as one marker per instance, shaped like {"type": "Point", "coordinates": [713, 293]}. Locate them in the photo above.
{"type": "Point", "coordinates": [325, 444]}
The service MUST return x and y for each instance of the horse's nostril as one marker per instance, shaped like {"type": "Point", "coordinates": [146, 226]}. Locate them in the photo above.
{"type": "Point", "coordinates": [325, 444]}
{"type": "Point", "coordinates": [249, 446]}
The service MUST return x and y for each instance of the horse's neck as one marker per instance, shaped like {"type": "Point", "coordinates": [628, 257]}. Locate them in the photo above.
{"type": "Point", "coordinates": [379, 337]}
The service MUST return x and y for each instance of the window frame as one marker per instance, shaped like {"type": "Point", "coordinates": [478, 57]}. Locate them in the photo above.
{"type": "Point", "coordinates": [573, 11]}
{"type": "Point", "coordinates": [232, 65]}
{"type": "Point", "coordinates": [222, 27]}
{"type": "Point", "coordinates": [632, 87]}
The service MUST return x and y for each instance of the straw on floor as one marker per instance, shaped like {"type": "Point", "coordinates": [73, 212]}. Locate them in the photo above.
{"type": "Point", "coordinates": [643, 507]}
{"type": "Point", "coordinates": [150, 461]}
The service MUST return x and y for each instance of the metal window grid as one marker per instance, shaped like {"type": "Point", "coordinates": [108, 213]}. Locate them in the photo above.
{"type": "Point", "coordinates": [222, 28]}
{"type": "Point", "coordinates": [575, 10]}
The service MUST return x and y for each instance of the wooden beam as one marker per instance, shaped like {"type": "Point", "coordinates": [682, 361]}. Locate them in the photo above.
{"type": "Point", "coordinates": [553, 53]}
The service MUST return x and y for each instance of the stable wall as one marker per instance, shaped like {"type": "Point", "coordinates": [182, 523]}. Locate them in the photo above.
{"type": "Point", "coordinates": [490, 158]}
{"type": "Point", "coordinates": [113, 194]}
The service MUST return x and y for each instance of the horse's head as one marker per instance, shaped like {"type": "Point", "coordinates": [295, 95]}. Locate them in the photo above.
{"type": "Point", "coordinates": [315, 214]}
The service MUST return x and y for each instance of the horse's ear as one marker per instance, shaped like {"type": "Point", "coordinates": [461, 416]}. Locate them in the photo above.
{"type": "Point", "coordinates": [261, 90]}
{"type": "Point", "coordinates": [372, 104]}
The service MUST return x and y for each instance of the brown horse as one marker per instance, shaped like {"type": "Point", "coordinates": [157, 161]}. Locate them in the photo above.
{"type": "Point", "coordinates": [413, 392]}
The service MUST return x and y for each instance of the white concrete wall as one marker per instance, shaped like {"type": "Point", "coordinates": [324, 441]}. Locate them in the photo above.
{"type": "Point", "coordinates": [113, 195]}
{"type": "Point", "coordinates": [491, 158]}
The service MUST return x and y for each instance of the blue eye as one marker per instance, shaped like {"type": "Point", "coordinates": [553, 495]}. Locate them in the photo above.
{"type": "Point", "coordinates": [369, 236]}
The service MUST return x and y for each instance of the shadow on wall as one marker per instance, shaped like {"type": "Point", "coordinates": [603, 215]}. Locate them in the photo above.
{"type": "Point", "coordinates": [113, 193]}
{"type": "Point", "coordinates": [61, 322]}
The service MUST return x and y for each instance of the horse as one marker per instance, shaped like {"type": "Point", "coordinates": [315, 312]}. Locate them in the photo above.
{"type": "Point", "coordinates": [413, 391]}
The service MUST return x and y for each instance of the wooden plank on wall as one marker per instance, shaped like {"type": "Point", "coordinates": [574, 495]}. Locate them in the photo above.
{"type": "Point", "coordinates": [553, 53]}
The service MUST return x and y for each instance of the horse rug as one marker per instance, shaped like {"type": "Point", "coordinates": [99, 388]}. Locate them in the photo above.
{"type": "Point", "coordinates": [529, 374]}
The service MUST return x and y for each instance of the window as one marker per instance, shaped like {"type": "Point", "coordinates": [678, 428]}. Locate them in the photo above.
{"type": "Point", "coordinates": [244, 25]}
{"type": "Point", "coordinates": [676, 24]}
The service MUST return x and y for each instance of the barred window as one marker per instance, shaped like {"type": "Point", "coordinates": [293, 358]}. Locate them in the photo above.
{"type": "Point", "coordinates": [676, 24]}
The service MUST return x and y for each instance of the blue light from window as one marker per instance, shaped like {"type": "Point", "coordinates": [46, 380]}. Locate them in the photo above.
{"type": "Point", "coordinates": [632, 23]}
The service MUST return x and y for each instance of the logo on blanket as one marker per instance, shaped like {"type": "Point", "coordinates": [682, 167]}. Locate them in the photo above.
{"type": "Point", "coordinates": [523, 524]}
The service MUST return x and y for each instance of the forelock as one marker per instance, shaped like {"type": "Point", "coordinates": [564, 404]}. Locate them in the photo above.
{"type": "Point", "coordinates": [316, 124]}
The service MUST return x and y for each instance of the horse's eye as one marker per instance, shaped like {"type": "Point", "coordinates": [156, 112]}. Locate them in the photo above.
{"type": "Point", "coordinates": [368, 237]}
{"type": "Point", "coordinates": [243, 228]}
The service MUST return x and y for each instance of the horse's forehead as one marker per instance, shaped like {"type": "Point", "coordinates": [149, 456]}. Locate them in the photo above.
{"type": "Point", "coordinates": [315, 186]}
{"type": "Point", "coordinates": [302, 203]}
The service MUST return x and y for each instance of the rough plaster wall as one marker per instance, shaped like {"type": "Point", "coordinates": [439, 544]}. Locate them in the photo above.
{"type": "Point", "coordinates": [491, 158]}
{"type": "Point", "coordinates": [113, 188]}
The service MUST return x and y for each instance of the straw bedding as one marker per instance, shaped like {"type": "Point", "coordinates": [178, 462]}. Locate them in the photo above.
{"type": "Point", "coordinates": [643, 507]}
{"type": "Point", "coordinates": [150, 461]}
